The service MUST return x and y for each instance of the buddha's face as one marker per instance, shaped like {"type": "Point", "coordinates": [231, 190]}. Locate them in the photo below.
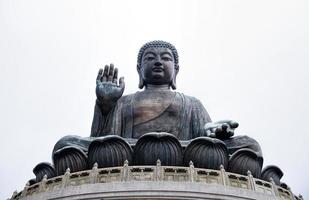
{"type": "Point", "coordinates": [157, 66]}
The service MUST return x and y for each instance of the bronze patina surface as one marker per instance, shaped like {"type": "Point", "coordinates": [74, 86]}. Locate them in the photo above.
{"type": "Point", "coordinates": [165, 122]}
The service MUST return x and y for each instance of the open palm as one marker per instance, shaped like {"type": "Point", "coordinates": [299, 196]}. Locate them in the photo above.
{"type": "Point", "coordinates": [108, 90]}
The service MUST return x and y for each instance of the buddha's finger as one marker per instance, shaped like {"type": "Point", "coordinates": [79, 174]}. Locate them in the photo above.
{"type": "Point", "coordinates": [208, 132]}
{"type": "Point", "coordinates": [218, 130]}
{"type": "Point", "coordinates": [110, 73]}
{"type": "Point", "coordinates": [230, 133]}
{"type": "Point", "coordinates": [224, 126]}
{"type": "Point", "coordinates": [105, 73]}
{"type": "Point", "coordinates": [100, 74]}
{"type": "Point", "coordinates": [234, 124]}
{"type": "Point", "coordinates": [115, 78]}
{"type": "Point", "coordinates": [212, 135]}
{"type": "Point", "coordinates": [121, 82]}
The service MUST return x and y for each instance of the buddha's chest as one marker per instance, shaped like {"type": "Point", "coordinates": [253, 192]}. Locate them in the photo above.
{"type": "Point", "coordinates": [152, 106]}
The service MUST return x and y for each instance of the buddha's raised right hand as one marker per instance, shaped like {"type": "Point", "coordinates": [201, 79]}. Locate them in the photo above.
{"type": "Point", "coordinates": [108, 90]}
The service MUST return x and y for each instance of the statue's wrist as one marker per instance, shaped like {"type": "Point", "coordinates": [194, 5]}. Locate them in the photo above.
{"type": "Point", "coordinates": [105, 106]}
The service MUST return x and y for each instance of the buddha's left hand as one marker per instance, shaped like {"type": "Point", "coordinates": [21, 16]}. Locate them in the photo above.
{"type": "Point", "coordinates": [221, 129]}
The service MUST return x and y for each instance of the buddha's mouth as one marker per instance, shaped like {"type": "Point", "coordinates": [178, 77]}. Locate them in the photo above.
{"type": "Point", "coordinates": [157, 69]}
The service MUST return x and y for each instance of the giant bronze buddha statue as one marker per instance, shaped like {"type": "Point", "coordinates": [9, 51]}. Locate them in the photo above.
{"type": "Point", "coordinates": [155, 123]}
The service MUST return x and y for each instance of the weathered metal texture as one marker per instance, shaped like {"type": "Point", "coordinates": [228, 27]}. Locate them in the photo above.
{"type": "Point", "coordinates": [42, 169]}
{"type": "Point", "coordinates": [109, 151]}
{"type": "Point", "coordinates": [158, 146]}
{"type": "Point", "coordinates": [245, 160]}
{"type": "Point", "coordinates": [207, 153]}
{"type": "Point", "coordinates": [273, 172]}
{"type": "Point", "coordinates": [70, 157]}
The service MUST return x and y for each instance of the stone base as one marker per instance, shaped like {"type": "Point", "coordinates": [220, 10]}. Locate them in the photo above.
{"type": "Point", "coordinates": [151, 190]}
{"type": "Point", "coordinates": [153, 182]}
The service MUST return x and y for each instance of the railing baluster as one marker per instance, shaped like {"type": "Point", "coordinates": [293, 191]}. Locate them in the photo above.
{"type": "Point", "coordinates": [66, 177]}
{"type": "Point", "coordinates": [94, 173]}
{"type": "Point", "coordinates": [192, 174]}
{"type": "Point", "coordinates": [125, 171]}
{"type": "Point", "coordinates": [251, 181]}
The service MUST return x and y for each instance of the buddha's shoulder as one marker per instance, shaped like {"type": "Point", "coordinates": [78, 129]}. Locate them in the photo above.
{"type": "Point", "coordinates": [178, 96]}
{"type": "Point", "coordinates": [187, 97]}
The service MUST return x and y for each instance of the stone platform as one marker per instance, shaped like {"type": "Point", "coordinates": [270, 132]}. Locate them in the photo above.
{"type": "Point", "coordinates": [153, 182]}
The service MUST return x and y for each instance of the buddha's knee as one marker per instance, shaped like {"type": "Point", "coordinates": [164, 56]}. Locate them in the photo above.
{"type": "Point", "coordinates": [243, 142]}
{"type": "Point", "coordinates": [245, 155]}
{"type": "Point", "coordinates": [73, 140]}
{"type": "Point", "coordinates": [70, 152]}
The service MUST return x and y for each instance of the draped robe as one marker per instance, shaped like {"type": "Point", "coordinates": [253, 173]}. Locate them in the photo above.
{"type": "Point", "coordinates": [152, 111]}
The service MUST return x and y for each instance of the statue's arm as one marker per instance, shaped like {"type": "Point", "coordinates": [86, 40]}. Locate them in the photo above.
{"type": "Point", "coordinates": [199, 117]}
{"type": "Point", "coordinates": [203, 126]}
{"type": "Point", "coordinates": [108, 91]}
{"type": "Point", "coordinates": [98, 122]}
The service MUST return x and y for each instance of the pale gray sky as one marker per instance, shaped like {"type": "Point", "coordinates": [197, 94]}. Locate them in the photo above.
{"type": "Point", "coordinates": [245, 60]}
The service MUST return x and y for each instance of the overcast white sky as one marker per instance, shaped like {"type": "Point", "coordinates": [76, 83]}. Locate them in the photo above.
{"type": "Point", "coordinates": [245, 60]}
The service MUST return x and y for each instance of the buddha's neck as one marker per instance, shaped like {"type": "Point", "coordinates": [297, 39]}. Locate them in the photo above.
{"type": "Point", "coordinates": [150, 87]}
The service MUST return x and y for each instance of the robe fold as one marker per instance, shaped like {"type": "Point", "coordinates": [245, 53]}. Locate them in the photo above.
{"type": "Point", "coordinates": [175, 113]}
{"type": "Point", "coordinates": [142, 112]}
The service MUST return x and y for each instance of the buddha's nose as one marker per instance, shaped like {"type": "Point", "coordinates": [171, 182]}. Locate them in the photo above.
{"type": "Point", "coordinates": [158, 64]}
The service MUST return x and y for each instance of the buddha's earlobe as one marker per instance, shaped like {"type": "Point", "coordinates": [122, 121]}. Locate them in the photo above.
{"type": "Point", "coordinates": [173, 83]}
{"type": "Point", "coordinates": [141, 83]}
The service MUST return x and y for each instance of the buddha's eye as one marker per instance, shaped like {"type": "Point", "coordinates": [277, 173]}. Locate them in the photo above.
{"type": "Point", "coordinates": [150, 58]}
{"type": "Point", "coordinates": [166, 58]}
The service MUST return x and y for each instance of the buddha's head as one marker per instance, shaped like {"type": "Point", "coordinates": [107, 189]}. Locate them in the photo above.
{"type": "Point", "coordinates": [157, 64]}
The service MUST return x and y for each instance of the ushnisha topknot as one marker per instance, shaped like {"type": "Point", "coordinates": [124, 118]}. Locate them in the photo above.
{"type": "Point", "coordinates": [155, 44]}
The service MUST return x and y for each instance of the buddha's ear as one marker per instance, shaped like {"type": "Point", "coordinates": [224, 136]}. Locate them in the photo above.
{"type": "Point", "coordinates": [141, 83]}
{"type": "Point", "coordinates": [173, 84]}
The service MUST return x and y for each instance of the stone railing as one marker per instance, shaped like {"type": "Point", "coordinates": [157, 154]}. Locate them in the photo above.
{"type": "Point", "coordinates": [127, 173]}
